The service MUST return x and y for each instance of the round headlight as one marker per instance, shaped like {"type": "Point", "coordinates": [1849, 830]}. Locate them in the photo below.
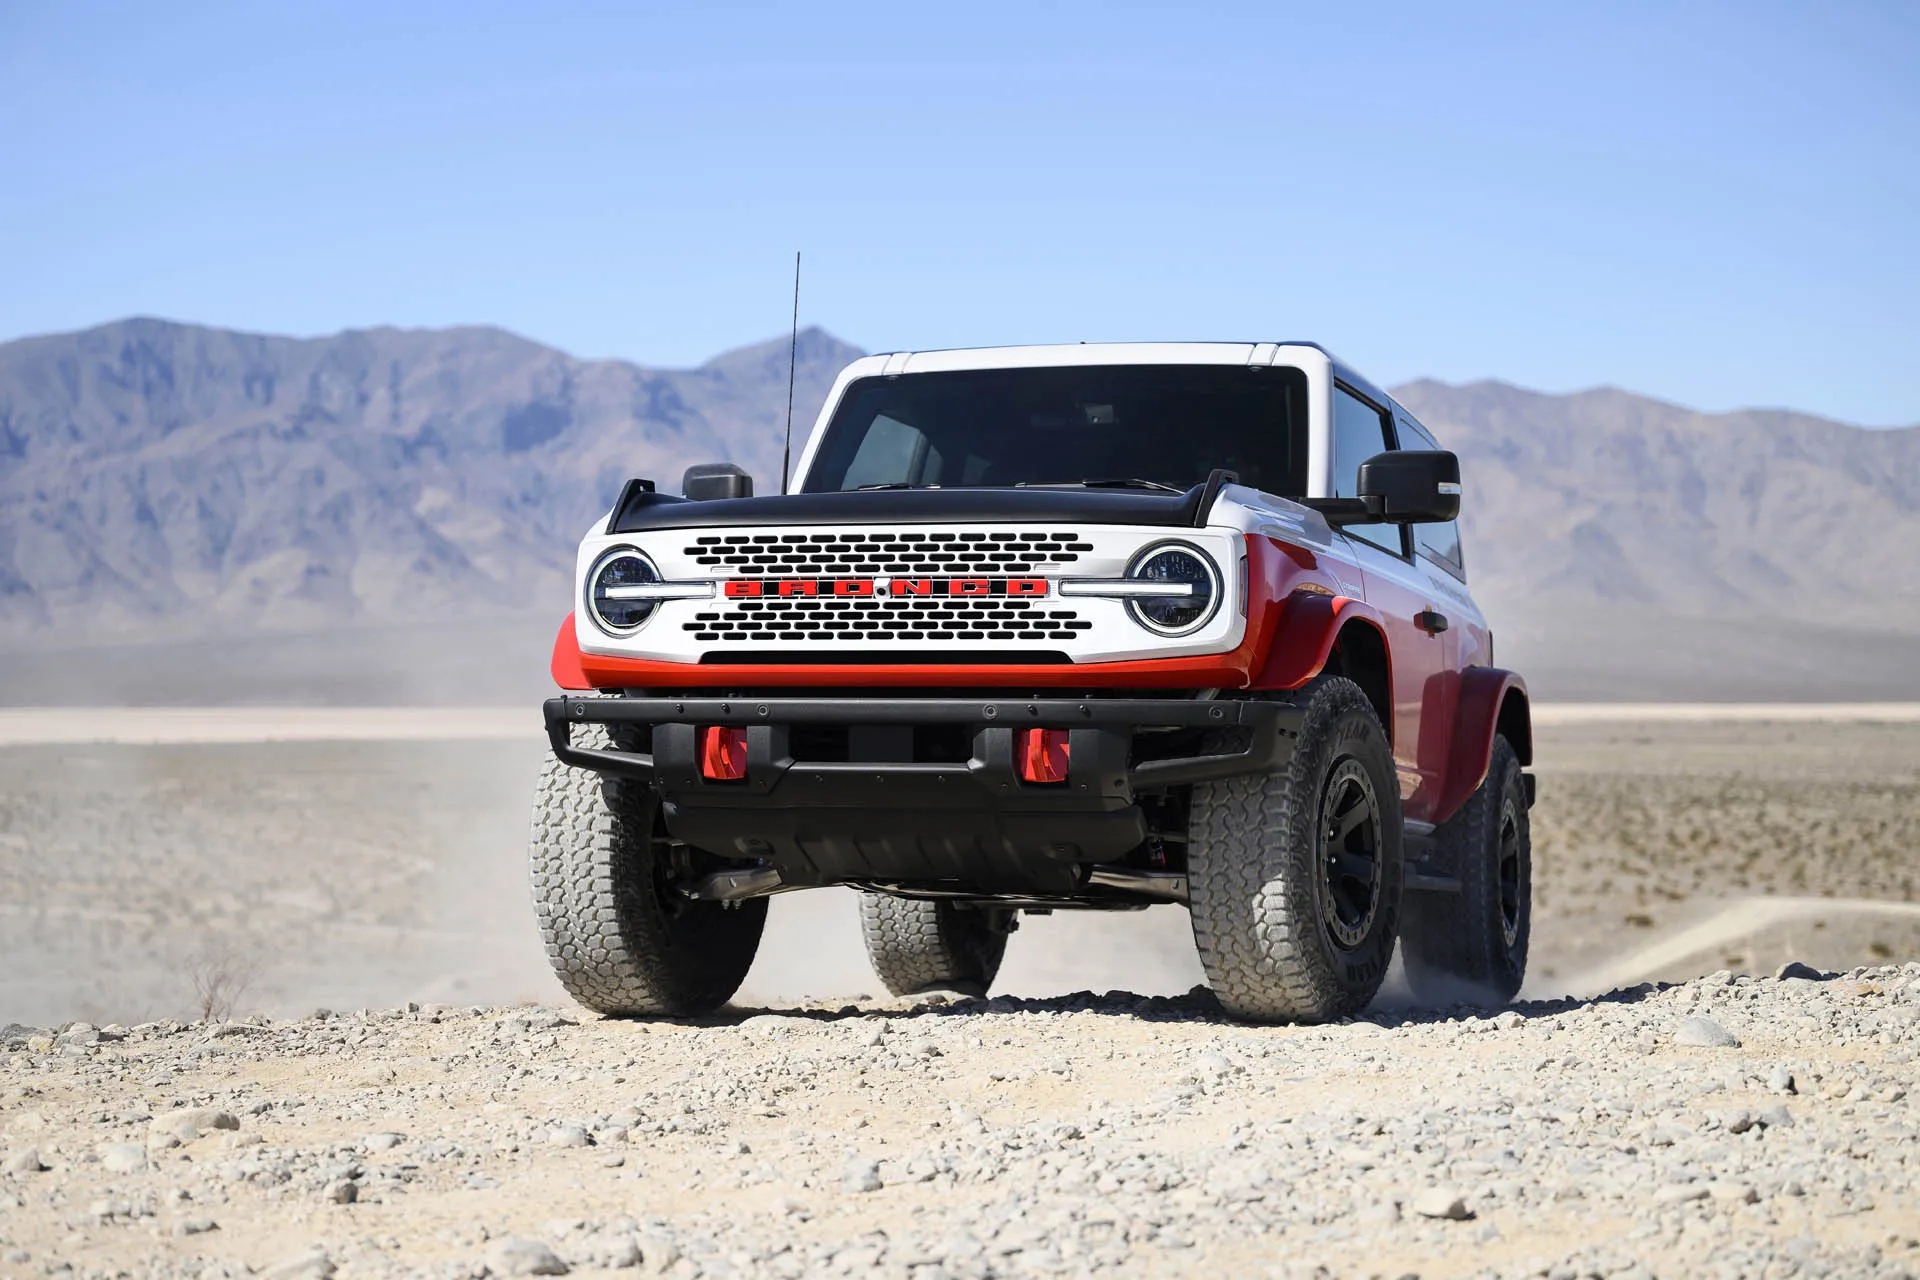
{"type": "Point", "coordinates": [1175, 563]}
{"type": "Point", "coordinates": [617, 612]}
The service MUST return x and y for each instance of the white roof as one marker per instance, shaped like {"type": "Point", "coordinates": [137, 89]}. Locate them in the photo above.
{"type": "Point", "coordinates": [1075, 353]}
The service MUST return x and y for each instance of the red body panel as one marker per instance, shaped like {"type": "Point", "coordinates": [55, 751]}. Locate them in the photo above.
{"type": "Point", "coordinates": [568, 673]}
{"type": "Point", "coordinates": [1309, 624]}
{"type": "Point", "coordinates": [1483, 691]}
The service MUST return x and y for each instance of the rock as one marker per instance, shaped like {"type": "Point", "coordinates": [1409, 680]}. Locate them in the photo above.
{"type": "Point", "coordinates": [1442, 1202]}
{"type": "Point", "coordinates": [515, 1257]}
{"type": "Point", "coordinates": [1737, 1121]}
{"type": "Point", "coordinates": [658, 1252]}
{"type": "Point", "coordinates": [1381, 1213]}
{"type": "Point", "coordinates": [123, 1157]}
{"type": "Point", "coordinates": [382, 1141]}
{"type": "Point", "coordinates": [1705, 1033]}
{"type": "Point", "coordinates": [568, 1135]}
{"type": "Point", "coordinates": [621, 1254]}
{"type": "Point", "coordinates": [23, 1162]}
{"type": "Point", "coordinates": [1680, 1193]}
{"type": "Point", "coordinates": [1727, 1192]}
{"type": "Point", "coordinates": [190, 1123]}
{"type": "Point", "coordinates": [1794, 969]}
{"type": "Point", "coordinates": [342, 1191]}
{"type": "Point", "coordinates": [195, 1226]}
{"type": "Point", "coordinates": [1508, 1020]}
{"type": "Point", "coordinates": [1780, 1080]}
{"type": "Point", "coordinates": [862, 1175]}
{"type": "Point", "coordinates": [1213, 1066]}
{"type": "Point", "coordinates": [307, 1266]}
{"type": "Point", "coordinates": [1776, 1118]}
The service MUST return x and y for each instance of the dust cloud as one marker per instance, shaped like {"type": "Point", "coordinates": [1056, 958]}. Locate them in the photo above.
{"type": "Point", "coordinates": [351, 874]}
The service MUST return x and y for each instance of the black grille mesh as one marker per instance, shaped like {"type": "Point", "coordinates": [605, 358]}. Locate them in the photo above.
{"type": "Point", "coordinates": [887, 618]}
{"type": "Point", "coordinates": [770, 555]}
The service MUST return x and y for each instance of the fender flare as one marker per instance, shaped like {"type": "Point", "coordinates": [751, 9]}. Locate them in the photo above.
{"type": "Point", "coordinates": [1309, 626]}
{"type": "Point", "coordinates": [568, 671]}
{"type": "Point", "coordinates": [1492, 701]}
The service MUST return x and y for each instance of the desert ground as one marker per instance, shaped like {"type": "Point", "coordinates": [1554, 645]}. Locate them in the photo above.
{"type": "Point", "coordinates": [1592, 1130]}
{"type": "Point", "coordinates": [343, 872]}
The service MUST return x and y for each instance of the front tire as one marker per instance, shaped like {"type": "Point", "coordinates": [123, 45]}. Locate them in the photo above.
{"type": "Point", "coordinates": [1294, 876]}
{"type": "Point", "coordinates": [621, 937]}
{"type": "Point", "coordinates": [1471, 947]}
{"type": "Point", "coordinates": [920, 944]}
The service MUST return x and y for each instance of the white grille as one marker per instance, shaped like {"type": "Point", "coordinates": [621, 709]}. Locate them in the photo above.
{"type": "Point", "coordinates": [888, 621]}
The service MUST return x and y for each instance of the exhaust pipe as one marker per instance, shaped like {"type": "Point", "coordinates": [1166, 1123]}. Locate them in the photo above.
{"type": "Point", "coordinates": [1167, 886]}
{"type": "Point", "coordinates": [737, 884]}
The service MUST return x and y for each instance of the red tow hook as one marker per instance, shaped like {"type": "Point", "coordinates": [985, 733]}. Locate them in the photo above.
{"type": "Point", "coordinates": [1043, 755]}
{"type": "Point", "coordinates": [723, 753]}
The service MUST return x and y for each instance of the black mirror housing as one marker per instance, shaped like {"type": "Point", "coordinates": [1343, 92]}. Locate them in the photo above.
{"type": "Point", "coordinates": [708, 481]}
{"type": "Point", "coordinates": [1412, 486]}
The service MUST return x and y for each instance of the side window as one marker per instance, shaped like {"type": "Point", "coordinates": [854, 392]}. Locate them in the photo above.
{"type": "Point", "coordinates": [1359, 432]}
{"type": "Point", "coordinates": [1439, 543]}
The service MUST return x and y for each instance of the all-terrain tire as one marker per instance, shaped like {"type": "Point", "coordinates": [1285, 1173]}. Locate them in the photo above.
{"type": "Point", "coordinates": [621, 939]}
{"type": "Point", "coordinates": [1280, 934]}
{"type": "Point", "coordinates": [1471, 947]}
{"type": "Point", "coordinates": [917, 944]}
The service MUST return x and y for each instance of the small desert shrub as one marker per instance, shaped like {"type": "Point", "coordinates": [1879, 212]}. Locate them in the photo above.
{"type": "Point", "coordinates": [221, 977]}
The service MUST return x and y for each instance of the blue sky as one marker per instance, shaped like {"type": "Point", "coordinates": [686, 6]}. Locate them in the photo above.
{"type": "Point", "coordinates": [1713, 203]}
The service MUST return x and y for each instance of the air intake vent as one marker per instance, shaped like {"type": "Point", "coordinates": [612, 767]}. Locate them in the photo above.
{"type": "Point", "coordinates": [937, 620]}
{"type": "Point", "coordinates": [769, 555]}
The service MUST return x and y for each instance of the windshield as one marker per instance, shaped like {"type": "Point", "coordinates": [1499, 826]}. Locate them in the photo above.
{"type": "Point", "coordinates": [1147, 425]}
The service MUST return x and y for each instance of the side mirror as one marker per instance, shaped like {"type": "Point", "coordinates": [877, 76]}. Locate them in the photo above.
{"type": "Point", "coordinates": [711, 480]}
{"type": "Point", "coordinates": [1412, 486]}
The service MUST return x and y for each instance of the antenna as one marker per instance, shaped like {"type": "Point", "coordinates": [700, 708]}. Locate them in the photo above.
{"type": "Point", "coordinates": [793, 351]}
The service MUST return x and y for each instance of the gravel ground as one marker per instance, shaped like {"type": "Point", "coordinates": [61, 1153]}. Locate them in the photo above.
{"type": "Point", "coordinates": [1731, 1126]}
{"type": "Point", "coordinates": [1643, 829]}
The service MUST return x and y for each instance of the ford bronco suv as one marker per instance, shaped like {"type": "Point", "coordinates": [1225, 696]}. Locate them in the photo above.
{"type": "Point", "coordinates": [1038, 628]}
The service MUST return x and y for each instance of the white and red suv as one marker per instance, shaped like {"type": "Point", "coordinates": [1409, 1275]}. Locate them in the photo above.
{"type": "Point", "coordinates": [1034, 628]}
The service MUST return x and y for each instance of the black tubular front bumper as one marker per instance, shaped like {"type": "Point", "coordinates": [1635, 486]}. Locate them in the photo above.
{"type": "Point", "coordinates": [973, 820]}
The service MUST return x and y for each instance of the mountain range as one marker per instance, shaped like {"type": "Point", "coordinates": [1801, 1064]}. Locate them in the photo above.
{"type": "Point", "coordinates": [169, 489]}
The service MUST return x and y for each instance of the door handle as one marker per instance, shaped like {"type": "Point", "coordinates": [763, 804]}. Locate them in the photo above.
{"type": "Point", "coordinates": [1430, 622]}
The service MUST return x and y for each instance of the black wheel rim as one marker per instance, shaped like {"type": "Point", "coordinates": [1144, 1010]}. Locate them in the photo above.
{"type": "Point", "coordinates": [1509, 873]}
{"type": "Point", "coordinates": [1350, 870]}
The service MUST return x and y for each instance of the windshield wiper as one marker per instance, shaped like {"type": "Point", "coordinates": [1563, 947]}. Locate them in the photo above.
{"type": "Point", "coordinates": [892, 484]}
{"type": "Point", "coordinates": [1125, 482]}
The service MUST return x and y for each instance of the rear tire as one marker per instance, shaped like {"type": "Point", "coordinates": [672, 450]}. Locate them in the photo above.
{"type": "Point", "coordinates": [919, 944]}
{"type": "Point", "coordinates": [621, 938]}
{"type": "Point", "coordinates": [1294, 876]}
{"type": "Point", "coordinates": [1471, 947]}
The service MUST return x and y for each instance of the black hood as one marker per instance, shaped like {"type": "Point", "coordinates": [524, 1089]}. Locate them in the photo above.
{"type": "Point", "coordinates": [639, 510]}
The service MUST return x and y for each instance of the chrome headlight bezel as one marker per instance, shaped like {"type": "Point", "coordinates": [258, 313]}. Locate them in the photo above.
{"type": "Point", "coordinates": [589, 590]}
{"type": "Point", "coordinates": [1215, 587]}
